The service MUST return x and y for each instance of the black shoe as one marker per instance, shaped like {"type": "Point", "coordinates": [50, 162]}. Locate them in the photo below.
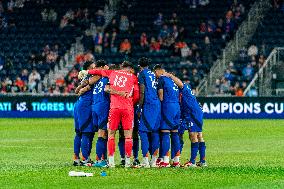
{"type": "Point", "coordinates": [76, 163]}
{"type": "Point", "coordinates": [136, 162]}
{"type": "Point", "coordinates": [122, 162]}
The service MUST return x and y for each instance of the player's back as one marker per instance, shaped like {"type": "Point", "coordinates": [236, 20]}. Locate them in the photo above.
{"type": "Point", "coordinates": [99, 95]}
{"type": "Point", "coordinates": [121, 80]}
{"type": "Point", "coordinates": [147, 77]}
{"type": "Point", "coordinates": [171, 91]}
{"type": "Point", "coordinates": [87, 96]}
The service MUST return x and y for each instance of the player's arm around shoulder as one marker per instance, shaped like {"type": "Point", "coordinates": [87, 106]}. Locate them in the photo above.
{"type": "Point", "coordinates": [176, 80]}
{"type": "Point", "coordinates": [94, 79]}
{"type": "Point", "coordinates": [160, 88]}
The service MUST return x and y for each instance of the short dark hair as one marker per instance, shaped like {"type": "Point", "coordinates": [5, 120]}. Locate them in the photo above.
{"type": "Point", "coordinates": [114, 67]}
{"type": "Point", "coordinates": [127, 64]}
{"type": "Point", "coordinates": [158, 67]}
{"type": "Point", "coordinates": [144, 62]}
{"type": "Point", "coordinates": [87, 64]}
{"type": "Point", "coordinates": [101, 63]}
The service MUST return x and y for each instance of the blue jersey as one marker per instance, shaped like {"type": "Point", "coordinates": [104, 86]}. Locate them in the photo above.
{"type": "Point", "coordinates": [190, 106]}
{"type": "Point", "coordinates": [99, 94]}
{"type": "Point", "coordinates": [171, 91]}
{"type": "Point", "coordinates": [147, 78]}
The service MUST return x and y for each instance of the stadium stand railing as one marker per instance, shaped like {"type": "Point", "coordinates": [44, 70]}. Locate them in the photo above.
{"type": "Point", "coordinates": [269, 80]}
{"type": "Point", "coordinates": [230, 52]}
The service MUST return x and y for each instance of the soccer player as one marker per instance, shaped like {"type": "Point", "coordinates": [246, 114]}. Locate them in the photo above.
{"type": "Point", "coordinates": [125, 84]}
{"type": "Point", "coordinates": [192, 115]}
{"type": "Point", "coordinates": [149, 112]}
{"type": "Point", "coordinates": [83, 117]}
{"type": "Point", "coordinates": [100, 111]}
{"type": "Point", "coordinates": [168, 93]}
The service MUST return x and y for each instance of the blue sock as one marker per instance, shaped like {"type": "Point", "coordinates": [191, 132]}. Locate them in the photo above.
{"type": "Point", "coordinates": [165, 144]}
{"type": "Point", "coordinates": [105, 148]}
{"type": "Point", "coordinates": [161, 147]}
{"type": "Point", "coordinates": [100, 148]}
{"type": "Point", "coordinates": [85, 145]}
{"type": "Point", "coordinates": [155, 142]}
{"type": "Point", "coordinates": [181, 142]}
{"type": "Point", "coordinates": [121, 143]}
{"type": "Point", "coordinates": [144, 143]}
{"type": "Point", "coordinates": [91, 138]}
{"type": "Point", "coordinates": [135, 147]}
{"type": "Point", "coordinates": [175, 144]}
{"type": "Point", "coordinates": [77, 145]}
{"type": "Point", "coordinates": [202, 149]}
{"type": "Point", "coordinates": [194, 150]}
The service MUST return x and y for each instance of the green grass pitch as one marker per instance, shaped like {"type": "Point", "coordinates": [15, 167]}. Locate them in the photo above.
{"type": "Point", "coordinates": [37, 153]}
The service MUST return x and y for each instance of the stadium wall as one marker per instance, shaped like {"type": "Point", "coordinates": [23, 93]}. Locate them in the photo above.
{"type": "Point", "coordinates": [28, 106]}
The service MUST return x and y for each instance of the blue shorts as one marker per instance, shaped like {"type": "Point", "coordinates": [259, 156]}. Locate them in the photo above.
{"type": "Point", "coordinates": [76, 120]}
{"type": "Point", "coordinates": [100, 113]}
{"type": "Point", "coordinates": [150, 118]}
{"type": "Point", "coordinates": [84, 112]}
{"type": "Point", "coordinates": [170, 119]}
{"type": "Point", "coordinates": [184, 126]}
{"type": "Point", "coordinates": [195, 125]}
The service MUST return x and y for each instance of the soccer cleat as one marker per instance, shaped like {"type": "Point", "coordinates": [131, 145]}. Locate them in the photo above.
{"type": "Point", "coordinates": [201, 164]}
{"type": "Point", "coordinates": [159, 161]}
{"type": "Point", "coordinates": [127, 163]}
{"type": "Point", "coordinates": [122, 163]}
{"type": "Point", "coordinates": [110, 165]}
{"type": "Point", "coordinates": [189, 164]}
{"type": "Point", "coordinates": [102, 163]}
{"type": "Point", "coordinates": [163, 164]}
{"type": "Point", "coordinates": [136, 163]}
{"type": "Point", "coordinates": [77, 163]}
{"type": "Point", "coordinates": [176, 164]}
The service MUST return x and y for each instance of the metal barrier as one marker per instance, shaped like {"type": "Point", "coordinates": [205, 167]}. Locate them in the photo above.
{"type": "Point", "coordinates": [242, 36]}
{"type": "Point", "coordinates": [263, 79]}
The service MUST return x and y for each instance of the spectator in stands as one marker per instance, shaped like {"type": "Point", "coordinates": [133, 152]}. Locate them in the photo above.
{"type": "Point", "coordinates": [207, 52]}
{"type": "Point", "coordinates": [224, 86]}
{"type": "Point", "coordinates": [203, 28]}
{"type": "Point", "coordinates": [131, 29]}
{"type": "Point", "coordinates": [159, 21]}
{"type": "Point", "coordinates": [181, 33]}
{"type": "Point", "coordinates": [252, 92]}
{"type": "Point", "coordinates": [10, 5]}
{"type": "Point", "coordinates": [220, 28]}
{"type": "Point", "coordinates": [124, 23]}
{"type": "Point", "coordinates": [175, 32]}
{"type": "Point", "coordinates": [34, 79]}
{"type": "Point", "coordinates": [248, 72]}
{"type": "Point", "coordinates": [178, 46]}
{"type": "Point", "coordinates": [228, 75]}
{"type": "Point", "coordinates": [253, 50]}
{"type": "Point", "coordinates": [261, 61]}
{"type": "Point", "coordinates": [25, 75]}
{"type": "Point", "coordinates": [155, 46]}
{"type": "Point", "coordinates": [237, 90]}
{"type": "Point", "coordinates": [60, 81]}
{"type": "Point", "coordinates": [98, 41]}
{"type": "Point", "coordinates": [99, 19]}
{"type": "Point", "coordinates": [174, 20]}
{"type": "Point", "coordinates": [113, 26]}
{"type": "Point", "coordinates": [1, 8]}
{"type": "Point", "coordinates": [52, 15]}
{"type": "Point", "coordinates": [143, 41]}
{"type": "Point", "coordinates": [113, 42]}
{"type": "Point", "coordinates": [20, 84]}
{"type": "Point", "coordinates": [106, 42]}
{"type": "Point", "coordinates": [211, 27]}
{"type": "Point", "coordinates": [185, 51]}
{"type": "Point", "coordinates": [125, 46]}
{"type": "Point", "coordinates": [44, 15]}
{"type": "Point", "coordinates": [164, 32]}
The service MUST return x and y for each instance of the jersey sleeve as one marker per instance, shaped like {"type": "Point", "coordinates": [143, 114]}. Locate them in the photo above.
{"type": "Point", "coordinates": [104, 73]}
{"type": "Point", "coordinates": [161, 83]}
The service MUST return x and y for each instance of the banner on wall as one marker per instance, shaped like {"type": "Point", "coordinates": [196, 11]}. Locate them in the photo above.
{"type": "Point", "coordinates": [25, 106]}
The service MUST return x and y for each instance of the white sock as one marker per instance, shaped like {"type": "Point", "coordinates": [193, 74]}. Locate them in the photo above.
{"type": "Point", "coordinates": [111, 160]}
{"type": "Point", "coordinates": [166, 159]}
{"type": "Point", "coordinates": [127, 161]}
{"type": "Point", "coordinates": [176, 159]}
{"type": "Point", "coordinates": [154, 159]}
{"type": "Point", "coordinates": [146, 160]}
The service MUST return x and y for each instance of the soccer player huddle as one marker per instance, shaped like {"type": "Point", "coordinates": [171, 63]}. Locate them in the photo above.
{"type": "Point", "coordinates": [155, 106]}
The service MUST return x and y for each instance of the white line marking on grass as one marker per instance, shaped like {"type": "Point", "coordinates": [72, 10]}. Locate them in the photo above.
{"type": "Point", "coordinates": [34, 147]}
{"type": "Point", "coordinates": [29, 140]}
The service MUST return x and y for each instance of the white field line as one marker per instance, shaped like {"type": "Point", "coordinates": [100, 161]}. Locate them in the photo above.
{"type": "Point", "coordinates": [34, 147]}
{"type": "Point", "coordinates": [29, 140]}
